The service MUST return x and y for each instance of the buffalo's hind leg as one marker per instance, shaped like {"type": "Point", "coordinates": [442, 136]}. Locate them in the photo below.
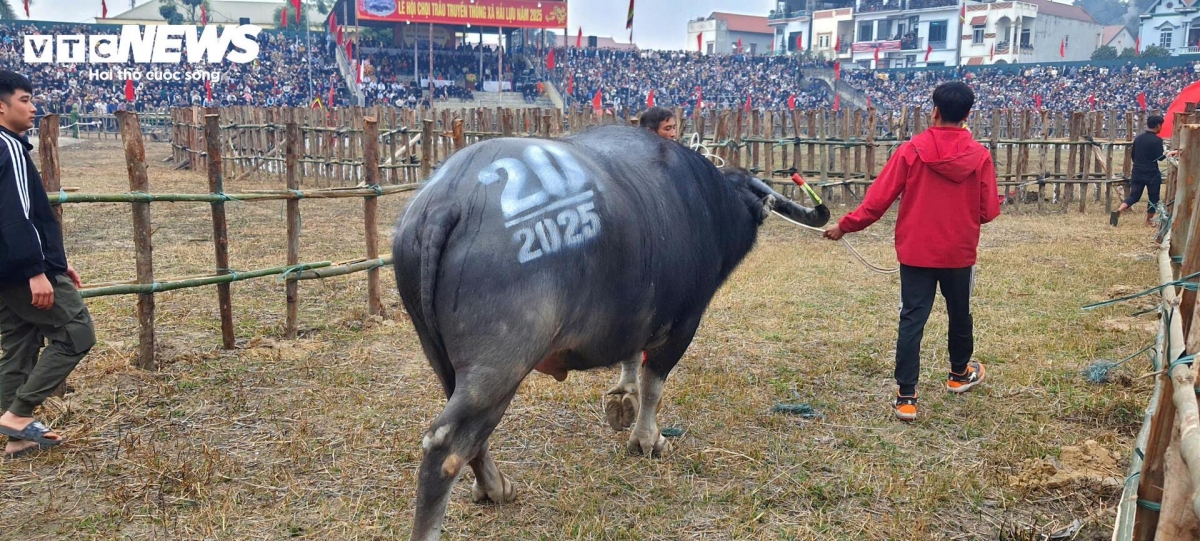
{"type": "Point", "coordinates": [458, 437]}
{"type": "Point", "coordinates": [621, 407]}
{"type": "Point", "coordinates": [646, 439]}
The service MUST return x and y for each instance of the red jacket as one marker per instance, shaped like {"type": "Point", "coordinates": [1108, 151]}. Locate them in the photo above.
{"type": "Point", "coordinates": [949, 190]}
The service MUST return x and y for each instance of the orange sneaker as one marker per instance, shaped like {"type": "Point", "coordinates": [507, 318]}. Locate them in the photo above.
{"type": "Point", "coordinates": [961, 383]}
{"type": "Point", "coordinates": [905, 407]}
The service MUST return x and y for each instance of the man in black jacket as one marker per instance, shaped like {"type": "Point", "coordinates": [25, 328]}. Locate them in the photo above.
{"type": "Point", "coordinates": [1147, 152]}
{"type": "Point", "coordinates": [39, 299]}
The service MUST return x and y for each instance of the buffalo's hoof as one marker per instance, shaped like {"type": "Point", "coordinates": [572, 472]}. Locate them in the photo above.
{"type": "Point", "coordinates": [656, 447]}
{"type": "Point", "coordinates": [621, 409]}
{"type": "Point", "coordinates": [504, 493]}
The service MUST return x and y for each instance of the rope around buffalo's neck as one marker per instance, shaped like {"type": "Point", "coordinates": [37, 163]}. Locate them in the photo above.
{"type": "Point", "coordinates": [696, 145]}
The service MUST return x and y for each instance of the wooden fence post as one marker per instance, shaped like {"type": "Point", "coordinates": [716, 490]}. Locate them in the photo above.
{"type": "Point", "coordinates": [216, 185]}
{"type": "Point", "coordinates": [48, 154]}
{"type": "Point", "coordinates": [426, 148]}
{"type": "Point", "coordinates": [135, 163]}
{"type": "Point", "coordinates": [371, 207]}
{"type": "Point", "coordinates": [292, 170]}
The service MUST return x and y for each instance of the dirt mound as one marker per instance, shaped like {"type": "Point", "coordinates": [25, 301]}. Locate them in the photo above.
{"type": "Point", "coordinates": [1086, 466]}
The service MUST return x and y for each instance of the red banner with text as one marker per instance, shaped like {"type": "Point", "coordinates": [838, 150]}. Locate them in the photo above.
{"type": "Point", "coordinates": [507, 13]}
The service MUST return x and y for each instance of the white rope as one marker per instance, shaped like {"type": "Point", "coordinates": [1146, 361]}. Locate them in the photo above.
{"type": "Point", "coordinates": [849, 246]}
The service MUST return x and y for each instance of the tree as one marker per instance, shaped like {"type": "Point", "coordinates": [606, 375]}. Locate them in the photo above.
{"type": "Point", "coordinates": [1128, 54]}
{"type": "Point", "coordinates": [7, 11]}
{"type": "Point", "coordinates": [1106, 52]}
{"type": "Point", "coordinates": [1154, 51]}
{"type": "Point", "coordinates": [171, 14]}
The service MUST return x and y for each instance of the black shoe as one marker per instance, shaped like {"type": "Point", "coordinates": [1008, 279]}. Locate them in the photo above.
{"type": "Point", "coordinates": [1112, 218]}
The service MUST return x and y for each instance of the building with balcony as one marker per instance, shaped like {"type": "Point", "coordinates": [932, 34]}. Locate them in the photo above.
{"type": "Point", "coordinates": [1173, 25]}
{"type": "Point", "coordinates": [899, 33]}
{"type": "Point", "coordinates": [999, 33]}
{"type": "Point", "coordinates": [790, 21]}
{"type": "Point", "coordinates": [833, 29]}
{"type": "Point", "coordinates": [720, 33]}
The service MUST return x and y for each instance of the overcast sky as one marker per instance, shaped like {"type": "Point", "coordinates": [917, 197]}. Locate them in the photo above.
{"type": "Point", "coordinates": [658, 24]}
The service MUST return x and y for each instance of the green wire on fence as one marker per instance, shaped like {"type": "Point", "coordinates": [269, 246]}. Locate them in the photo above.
{"type": "Point", "coordinates": [1182, 282]}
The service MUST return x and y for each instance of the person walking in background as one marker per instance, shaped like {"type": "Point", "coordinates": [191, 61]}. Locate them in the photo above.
{"type": "Point", "coordinates": [39, 296]}
{"type": "Point", "coordinates": [1146, 176]}
{"type": "Point", "coordinates": [948, 183]}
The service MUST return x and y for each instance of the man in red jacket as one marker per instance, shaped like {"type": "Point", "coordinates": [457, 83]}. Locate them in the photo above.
{"type": "Point", "coordinates": [949, 190]}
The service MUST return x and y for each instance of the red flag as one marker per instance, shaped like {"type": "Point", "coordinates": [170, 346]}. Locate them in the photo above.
{"type": "Point", "coordinates": [1037, 102]}
{"type": "Point", "coordinates": [203, 15]}
{"type": "Point", "coordinates": [579, 39]}
{"type": "Point", "coordinates": [130, 95]}
{"type": "Point", "coordinates": [1062, 48]}
{"type": "Point", "coordinates": [208, 89]}
{"type": "Point", "coordinates": [748, 104]}
{"type": "Point", "coordinates": [837, 70]}
{"type": "Point", "coordinates": [296, 5]}
{"type": "Point", "coordinates": [699, 102]}
{"type": "Point", "coordinates": [550, 60]}
{"type": "Point", "coordinates": [792, 102]}
{"type": "Point", "coordinates": [1092, 101]}
{"type": "Point", "coordinates": [876, 56]}
{"type": "Point", "coordinates": [597, 102]}
{"type": "Point", "coordinates": [283, 17]}
{"type": "Point", "coordinates": [571, 83]}
{"type": "Point", "coordinates": [650, 99]}
{"type": "Point", "coordinates": [1137, 45]}
{"type": "Point", "coordinates": [27, 8]}
{"type": "Point", "coordinates": [837, 45]}
{"type": "Point", "coordinates": [700, 42]}
{"type": "Point", "coordinates": [349, 50]}
{"type": "Point", "coordinates": [868, 102]}
{"type": "Point", "coordinates": [992, 55]}
{"type": "Point", "coordinates": [837, 101]}
{"type": "Point", "coordinates": [103, 9]}
{"type": "Point", "coordinates": [928, 51]}
{"type": "Point", "coordinates": [331, 95]}
{"type": "Point", "coordinates": [339, 36]}
{"type": "Point", "coordinates": [358, 73]}
{"type": "Point", "coordinates": [1141, 98]}
{"type": "Point", "coordinates": [333, 23]}
{"type": "Point", "coordinates": [739, 45]}
{"type": "Point", "coordinates": [800, 42]}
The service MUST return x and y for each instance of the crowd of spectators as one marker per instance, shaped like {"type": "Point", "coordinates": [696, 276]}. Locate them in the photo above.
{"type": "Point", "coordinates": [281, 76]}
{"type": "Point", "coordinates": [1073, 88]}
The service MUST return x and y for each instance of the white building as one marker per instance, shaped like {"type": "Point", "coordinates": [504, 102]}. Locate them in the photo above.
{"type": "Point", "coordinates": [1063, 28]}
{"type": "Point", "coordinates": [1117, 37]}
{"type": "Point", "coordinates": [791, 23]}
{"type": "Point", "coordinates": [720, 33]}
{"type": "Point", "coordinates": [1173, 25]}
{"type": "Point", "coordinates": [256, 12]}
{"type": "Point", "coordinates": [999, 33]}
{"type": "Point", "coordinates": [832, 28]}
{"type": "Point", "coordinates": [900, 33]}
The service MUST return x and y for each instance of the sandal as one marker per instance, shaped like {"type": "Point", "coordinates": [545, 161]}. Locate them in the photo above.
{"type": "Point", "coordinates": [34, 431]}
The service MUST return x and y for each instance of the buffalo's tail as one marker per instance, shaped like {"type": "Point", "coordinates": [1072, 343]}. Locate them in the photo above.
{"type": "Point", "coordinates": [421, 256]}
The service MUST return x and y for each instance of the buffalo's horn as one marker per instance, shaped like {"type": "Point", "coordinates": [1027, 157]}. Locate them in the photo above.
{"type": "Point", "coordinates": [812, 217]}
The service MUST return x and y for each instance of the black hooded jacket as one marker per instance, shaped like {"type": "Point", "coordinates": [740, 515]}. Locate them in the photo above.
{"type": "Point", "coordinates": [30, 237]}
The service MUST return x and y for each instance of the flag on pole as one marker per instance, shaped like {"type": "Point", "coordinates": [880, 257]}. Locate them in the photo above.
{"type": "Point", "coordinates": [837, 101]}
{"type": "Point", "coordinates": [962, 15]}
{"type": "Point", "coordinates": [333, 23]}
{"type": "Point", "coordinates": [296, 6]}
{"type": "Point", "coordinates": [130, 95]}
{"type": "Point", "coordinates": [1062, 48]}
{"type": "Point", "coordinates": [203, 15]}
{"type": "Point", "coordinates": [103, 9]}
{"type": "Point", "coordinates": [1141, 99]}
{"type": "Point", "coordinates": [792, 102]}
{"type": "Point", "coordinates": [208, 89]}
{"type": "Point", "coordinates": [739, 48]}
{"type": "Point", "coordinates": [1137, 45]}
{"type": "Point", "coordinates": [597, 102]}
{"type": "Point", "coordinates": [283, 17]}
{"type": "Point", "coordinates": [650, 99]}
{"type": "Point", "coordinates": [1092, 101]}
{"type": "Point", "coordinates": [837, 45]}
{"type": "Point", "coordinates": [876, 56]}
{"type": "Point", "coordinates": [340, 38]}
{"type": "Point", "coordinates": [837, 70]}
{"type": "Point", "coordinates": [550, 60]}
{"type": "Point", "coordinates": [579, 39]}
{"type": "Point", "coordinates": [748, 104]}
{"type": "Point", "coordinates": [800, 42]}
{"type": "Point", "coordinates": [1037, 102]}
{"type": "Point", "coordinates": [629, 22]}
{"type": "Point", "coordinates": [928, 51]}
{"type": "Point", "coordinates": [27, 8]}
{"type": "Point", "coordinates": [700, 42]}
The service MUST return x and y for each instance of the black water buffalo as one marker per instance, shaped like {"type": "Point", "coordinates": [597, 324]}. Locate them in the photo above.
{"type": "Point", "coordinates": [560, 255]}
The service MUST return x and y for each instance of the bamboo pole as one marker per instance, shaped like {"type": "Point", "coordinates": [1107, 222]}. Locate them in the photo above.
{"type": "Point", "coordinates": [292, 142]}
{"type": "Point", "coordinates": [371, 210]}
{"type": "Point", "coordinates": [135, 163]}
{"type": "Point", "coordinates": [369, 265]}
{"type": "Point", "coordinates": [216, 185]}
{"type": "Point", "coordinates": [91, 291]}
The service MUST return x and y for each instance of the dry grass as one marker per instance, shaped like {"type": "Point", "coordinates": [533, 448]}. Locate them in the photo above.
{"type": "Point", "coordinates": [319, 438]}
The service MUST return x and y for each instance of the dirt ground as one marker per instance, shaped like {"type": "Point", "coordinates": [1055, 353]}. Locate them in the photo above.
{"type": "Point", "coordinates": [318, 438]}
